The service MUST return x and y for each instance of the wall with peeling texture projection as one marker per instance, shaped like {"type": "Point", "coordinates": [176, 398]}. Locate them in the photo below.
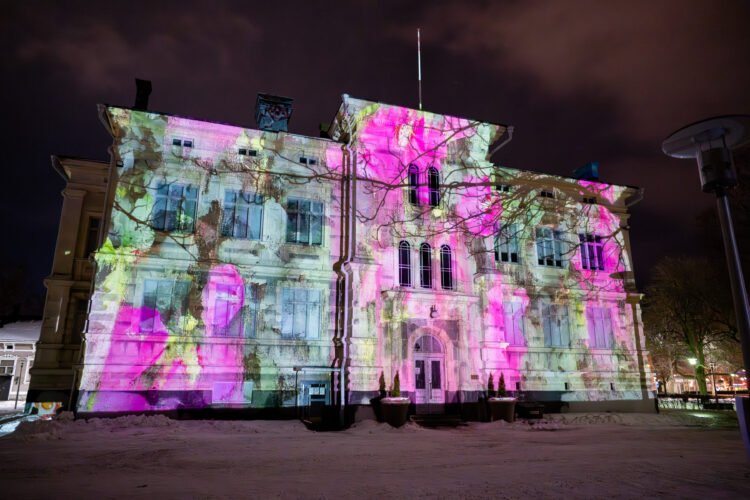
{"type": "Point", "coordinates": [231, 279]}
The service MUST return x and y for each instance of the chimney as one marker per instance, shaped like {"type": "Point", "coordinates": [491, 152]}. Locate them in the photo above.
{"type": "Point", "coordinates": [273, 112]}
{"type": "Point", "coordinates": [142, 91]}
{"type": "Point", "coordinates": [588, 172]}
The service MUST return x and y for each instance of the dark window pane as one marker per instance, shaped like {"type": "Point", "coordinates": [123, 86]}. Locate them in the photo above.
{"type": "Point", "coordinates": [419, 374]}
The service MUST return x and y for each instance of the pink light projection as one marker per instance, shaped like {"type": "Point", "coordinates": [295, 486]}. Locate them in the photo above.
{"type": "Point", "coordinates": [204, 320]}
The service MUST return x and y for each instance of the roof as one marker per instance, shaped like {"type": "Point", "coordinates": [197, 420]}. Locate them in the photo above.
{"type": "Point", "coordinates": [22, 331]}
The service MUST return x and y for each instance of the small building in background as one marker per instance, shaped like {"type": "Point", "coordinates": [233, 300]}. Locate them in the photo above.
{"type": "Point", "coordinates": [17, 348]}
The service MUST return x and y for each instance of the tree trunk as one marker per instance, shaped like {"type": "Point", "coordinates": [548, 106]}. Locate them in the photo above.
{"type": "Point", "coordinates": [700, 374]}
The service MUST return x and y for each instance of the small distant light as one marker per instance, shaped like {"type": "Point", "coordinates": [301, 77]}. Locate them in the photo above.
{"type": "Point", "coordinates": [67, 252]}
{"type": "Point", "coordinates": [693, 361]}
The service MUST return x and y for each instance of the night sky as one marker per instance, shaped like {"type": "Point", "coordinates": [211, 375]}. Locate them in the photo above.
{"type": "Point", "coordinates": [579, 81]}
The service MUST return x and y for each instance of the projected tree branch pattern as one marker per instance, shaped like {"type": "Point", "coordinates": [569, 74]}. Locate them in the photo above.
{"type": "Point", "coordinates": [221, 271]}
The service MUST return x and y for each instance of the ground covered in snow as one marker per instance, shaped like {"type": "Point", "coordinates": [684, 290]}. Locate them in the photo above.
{"type": "Point", "coordinates": [676, 454]}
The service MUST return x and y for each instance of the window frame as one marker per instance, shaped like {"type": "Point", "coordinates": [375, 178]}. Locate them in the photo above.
{"type": "Point", "coordinates": [549, 247]}
{"type": "Point", "coordinates": [178, 312]}
{"type": "Point", "coordinates": [596, 317]}
{"type": "Point", "coordinates": [509, 232]}
{"type": "Point", "coordinates": [305, 220]}
{"type": "Point", "coordinates": [514, 315]}
{"type": "Point", "coordinates": [447, 279]}
{"type": "Point", "coordinates": [433, 186]}
{"type": "Point", "coordinates": [591, 251]}
{"type": "Point", "coordinates": [425, 265]}
{"type": "Point", "coordinates": [413, 181]}
{"type": "Point", "coordinates": [290, 299]}
{"type": "Point", "coordinates": [180, 209]}
{"type": "Point", "coordinates": [404, 264]}
{"type": "Point", "coordinates": [253, 205]}
{"type": "Point", "coordinates": [551, 315]}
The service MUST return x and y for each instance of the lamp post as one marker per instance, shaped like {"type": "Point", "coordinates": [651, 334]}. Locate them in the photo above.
{"type": "Point", "coordinates": [709, 142]}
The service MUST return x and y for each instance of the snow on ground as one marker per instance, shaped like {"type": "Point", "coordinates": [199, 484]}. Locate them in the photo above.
{"type": "Point", "coordinates": [674, 454]}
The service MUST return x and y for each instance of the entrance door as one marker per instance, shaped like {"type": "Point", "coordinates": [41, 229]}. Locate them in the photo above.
{"type": "Point", "coordinates": [429, 370]}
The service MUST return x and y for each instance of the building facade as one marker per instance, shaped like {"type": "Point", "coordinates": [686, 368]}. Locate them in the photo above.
{"type": "Point", "coordinates": [258, 269]}
{"type": "Point", "coordinates": [17, 347]}
{"type": "Point", "coordinates": [69, 284]}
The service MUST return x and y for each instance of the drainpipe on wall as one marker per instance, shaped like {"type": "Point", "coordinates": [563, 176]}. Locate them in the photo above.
{"type": "Point", "coordinates": [509, 130]}
{"type": "Point", "coordinates": [342, 269]}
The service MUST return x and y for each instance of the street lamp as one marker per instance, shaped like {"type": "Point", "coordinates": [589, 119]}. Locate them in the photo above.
{"type": "Point", "coordinates": [709, 142]}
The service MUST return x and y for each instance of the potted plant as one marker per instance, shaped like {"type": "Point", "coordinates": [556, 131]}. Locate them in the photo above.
{"type": "Point", "coordinates": [395, 408]}
{"type": "Point", "coordinates": [501, 406]}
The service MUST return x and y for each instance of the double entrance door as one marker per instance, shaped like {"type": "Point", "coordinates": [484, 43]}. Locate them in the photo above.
{"type": "Point", "coordinates": [429, 370]}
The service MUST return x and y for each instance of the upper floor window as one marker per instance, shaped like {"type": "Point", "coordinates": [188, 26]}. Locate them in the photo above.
{"type": "Point", "coordinates": [433, 183]}
{"type": "Point", "coordinates": [308, 161]}
{"type": "Point", "coordinates": [503, 188]}
{"type": "Point", "coordinates": [506, 244]}
{"type": "Point", "coordinates": [404, 264]}
{"type": "Point", "coordinates": [590, 199]}
{"type": "Point", "coordinates": [165, 300]}
{"type": "Point", "coordinates": [304, 222]}
{"type": "Point", "coordinates": [446, 268]}
{"type": "Point", "coordinates": [515, 330]}
{"type": "Point", "coordinates": [547, 194]}
{"type": "Point", "coordinates": [247, 152]}
{"type": "Point", "coordinates": [549, 247]}
{"type": "Point", "coordinates": [185, 143]}
{"type": "Point", "coordinates": [592, 251]}
{"type": "Point", "coordinates": [600, 327]}
{"type": "Point", "coordinates": [92, 235]}
{"type": "Point", "coordinates": [175, 208]}
{"type": "Point", "coordinates": [425, 265]}
{"type": "Point", "coordinates": [243, 215]}
{"type": "Point", "coordinates": [413, 184]}
{"type": "Point", "coordinates": [555, 325]}
{"type": "Point", "coordinates": [300, 313]}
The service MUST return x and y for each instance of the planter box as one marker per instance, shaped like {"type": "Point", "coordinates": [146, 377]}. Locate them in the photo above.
{"type": "Point", "coordinates": [395, 410]}
{"type": "Point", "coordinates": [502, 409]}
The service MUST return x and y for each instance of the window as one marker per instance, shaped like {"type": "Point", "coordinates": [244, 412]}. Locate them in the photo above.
{"type": "Point", "coordinates": [185, 143]}
{"type": "Point", "coordinates": [6, 366]}
{"type": "Point", "coordinates": [549, 247]}
{"type": "Point", "coordinates": [600, 327]}
{"type": "Point", "coordinates": [433, 183]}
{"type": "Point", "coordinates": [243, 215]}
{"type": "Point", "coordinates": [247, 152]}
{"type": "Point", "coordinates": [92, 235]}
{"type": "Point", "coordinates": [230, 315]}
{"type": "Point", "coordinates": [174, 208]}
{"type": "Point", "coordinates": [547, 194]}
{"type": "Point", "coordinates": [300, 313]}
{"type": "Point", "coordinates": [515, 331]}
{"type": "Point", "coordinates": [591, 200]}
{"type": "Point", "coordinates": [413, 184]}
{"type": "Point", "coordinates": [446, 268]}
{"type": "Point", "coordinates": [168, 299]}
{"type": "Point", "coordinates": [506, 244]}
{"type": "Point", "coordinates": [308, 161]}
{"type": "Point", "coordinates": [304, 222]}
{"type": "Point", "coordinates": [425, 265]}
{"type": "Point", "coordinates": [555, 325]}
{"type": "Point", "coordinates": [404, 264]}
{"type": "Point", "coordinates": [226, 315]}
{"type": "Point", "coordinates": [592, 252]}
{"type": "Point", "coordinates": [303, 160]}
{"type": "Point", "coordinates": [9, 347]}
{"type": "Point", "coordinates": [503, 188]}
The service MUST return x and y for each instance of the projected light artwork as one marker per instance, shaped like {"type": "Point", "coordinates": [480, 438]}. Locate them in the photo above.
{"type": "Point", "coordinates": [242, 268]}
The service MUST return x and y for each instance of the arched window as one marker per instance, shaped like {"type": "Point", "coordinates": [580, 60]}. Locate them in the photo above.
{"type": "Point", "coordinates": [425, 265]}
{"type": "Point", "coordinates": [413, 184]}
{"type": "Point", "coordinates": [433, 183]}
{"type": "Point", "coordinates": [404, 264]}
{"type": "Point", "coordinates": [446, 269]}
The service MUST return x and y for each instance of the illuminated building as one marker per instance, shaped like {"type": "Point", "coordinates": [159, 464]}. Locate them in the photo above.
{"type": "Point", "coordinates": [241, 268]}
